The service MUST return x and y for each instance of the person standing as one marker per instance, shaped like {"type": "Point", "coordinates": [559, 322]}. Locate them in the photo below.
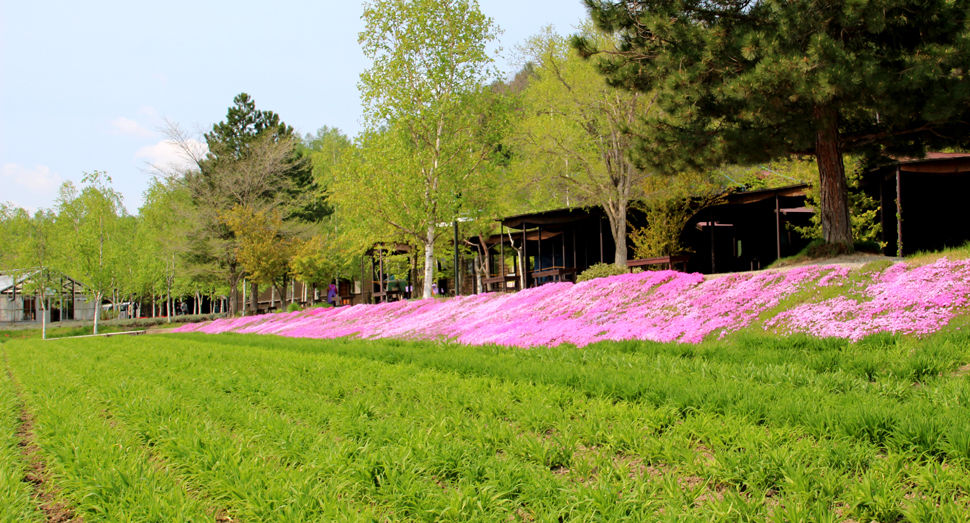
{"type": "Point", "coordinates": [332, 294]}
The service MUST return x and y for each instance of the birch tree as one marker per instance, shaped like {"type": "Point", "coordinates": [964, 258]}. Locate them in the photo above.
{"type": "Point", "coordinates": [429, 120]}
{"type": "Point", "coordinates": [572, 141]}
{"type": "Point", "coordinates": [34, 255]}
{"type": "Point", "coordinates": [88, 226]}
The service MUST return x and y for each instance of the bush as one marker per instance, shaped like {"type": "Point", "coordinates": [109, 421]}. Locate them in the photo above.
{"type": "Point", "coordinates": [293, 307]}
{"type": "Point", "coordinates": [601, 270]}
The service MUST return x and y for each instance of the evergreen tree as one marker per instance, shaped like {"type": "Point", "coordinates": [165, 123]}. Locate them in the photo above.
{"type": "Point", "coordinates": [238, 139]}
{"type": "Point", "coordinates": [748, 81]}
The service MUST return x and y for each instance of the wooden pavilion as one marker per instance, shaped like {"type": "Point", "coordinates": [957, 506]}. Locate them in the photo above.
{"type": "Point", "coordinates": [380, 286]}
{"type": "Point", "coordinates": [537, 248]}
{"type": "Point", "coordinates": [922, 202]}
{"type": "Point", "coordinates": [748, 231]}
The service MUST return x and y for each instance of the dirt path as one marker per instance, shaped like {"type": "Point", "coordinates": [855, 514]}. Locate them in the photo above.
{"type": "Point", "coordinates": [44, 491]}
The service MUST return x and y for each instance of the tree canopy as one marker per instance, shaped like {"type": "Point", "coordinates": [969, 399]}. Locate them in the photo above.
{"type": "Point", "coordinates": [748, 81]}
{"type": "Point", "coordinates": [571, 134]}
{"type": "Point", "coordinates": [431, 123]}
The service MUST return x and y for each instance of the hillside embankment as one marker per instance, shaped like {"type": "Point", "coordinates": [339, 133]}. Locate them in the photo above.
{"type": "Point", "coordinates": [821, 301]}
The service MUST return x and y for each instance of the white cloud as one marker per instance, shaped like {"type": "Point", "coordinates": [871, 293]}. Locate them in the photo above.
{"type": "Point", "coordinates": [39, 180]}
{"type": "Point", "coordinates": [165, 154]}
{"type": "Point", "coordinates": [130, 127]}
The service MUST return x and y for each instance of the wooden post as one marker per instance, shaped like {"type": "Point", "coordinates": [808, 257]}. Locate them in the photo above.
{"type": "Point", "coordinates": [539, 251]}
{"type": "Point", "coordinates": [778, 226]}
{"type": "Point", "coordinates": [713, 266]}
{"type": "Point", "coordinates": [563, 251]}
{"type": "Point", "coordinates": [524, 262]}
{"type": "Point", "coordinates": [602, 259]}
{"type": "Point", "coordinates": [899, 213]}
{"type": "Point", "coordinates": [501, 248]}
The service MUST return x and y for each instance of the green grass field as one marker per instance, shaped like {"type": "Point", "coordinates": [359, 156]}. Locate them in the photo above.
{"type": "Point", "coordinates": [262, 428]}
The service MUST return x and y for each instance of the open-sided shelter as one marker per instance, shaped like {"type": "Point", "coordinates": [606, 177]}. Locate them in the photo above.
{"type": "Point", "coordinates": [65, 296]}
{"type": "Point", "coordinates": [552, 245]}
{"type": "Point", "coordinates": [380, 285]}
{"type": "Point", "coordinates": [748, 231]}
{"type": "Point", "coordinates": [923, 202]}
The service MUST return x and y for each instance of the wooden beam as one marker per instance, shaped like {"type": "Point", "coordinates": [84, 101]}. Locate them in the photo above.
{"type": "Point", "coordinates": [899, 212]}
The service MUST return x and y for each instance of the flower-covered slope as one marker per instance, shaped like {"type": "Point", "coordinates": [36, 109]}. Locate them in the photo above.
{"type": "Point", "coordinates": [659, 306]}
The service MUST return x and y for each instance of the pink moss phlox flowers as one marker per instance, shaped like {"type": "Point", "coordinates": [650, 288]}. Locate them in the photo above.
{"type": "Point", "coordinates": [660, 306]}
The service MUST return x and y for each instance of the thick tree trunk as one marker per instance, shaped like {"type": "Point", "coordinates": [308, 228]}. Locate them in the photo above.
{"type": "Point", "coordinates": [428, 262]}
{"type": "Point", "coordinates": [253, 297]}
{"type": "Point", "coordinates": [618, 230]}
{"type": "Point", "coordinates": [834, 190]}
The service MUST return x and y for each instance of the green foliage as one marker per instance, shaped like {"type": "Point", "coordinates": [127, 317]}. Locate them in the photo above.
{"type": "Point", "coordinates": [262, 249]}
{"type": "Point", "coordinates": [314, 261]}
{"type": "Point", "coordinates": [863, 209]}
{"type": "Point", "coordinates": [325, 149]}
{"type": "Point", "coordinates": [571, 142]}
{"type": "Point", "coordinates": [16, 503]}
{"type": "Point", "coordinates": [602, 270]}
{"type": "Point", "coordinates": [748, 82]}
{"type": "Point", "coordinates": [90, 231]}
{"type": "Point", "coordinates": [669, 204]}
{"type": "Point", "coordinates": [294, 307]}
{"type": "Point", "coordinates": [430, 124]}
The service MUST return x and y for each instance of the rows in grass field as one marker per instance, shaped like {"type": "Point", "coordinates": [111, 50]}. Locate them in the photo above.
{"type": "Point", "coordinates": [892, 392]}
{"type": "Point", "coordinates": [912, 410]}
{"type": "Point", "coordinates": [15, 493]}
{"type": "Point", "coordinates": [295, 435]}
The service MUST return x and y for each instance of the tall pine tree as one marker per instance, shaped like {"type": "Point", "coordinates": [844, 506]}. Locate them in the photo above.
{"type": "Point", "coordinates": [744, 81]}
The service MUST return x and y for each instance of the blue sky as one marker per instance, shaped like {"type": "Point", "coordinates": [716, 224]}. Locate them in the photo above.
{"type": "Point", "coordinates": [85, 85]}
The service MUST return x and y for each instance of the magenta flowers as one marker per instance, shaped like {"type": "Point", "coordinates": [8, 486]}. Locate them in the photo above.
{"type": "Point", "coordinates": [659, 306]}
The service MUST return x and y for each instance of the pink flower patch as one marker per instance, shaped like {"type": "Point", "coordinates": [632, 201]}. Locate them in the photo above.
{"type": "Point", "coordinates": [659, 306]}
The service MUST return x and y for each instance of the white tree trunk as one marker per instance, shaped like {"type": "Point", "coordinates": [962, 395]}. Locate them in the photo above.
{"type": "Point", "coordinates": [97, 310]}
{"type": "Point", "coordinates": [429, 261]}
{"type": "Point", "coordinates": [43, 319]}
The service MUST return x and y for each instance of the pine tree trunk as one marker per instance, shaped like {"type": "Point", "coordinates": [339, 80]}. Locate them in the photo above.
{"type": "Point", "coordinates": [834, 191]}
{"type": "Point", "coordinates": [428, 262]}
